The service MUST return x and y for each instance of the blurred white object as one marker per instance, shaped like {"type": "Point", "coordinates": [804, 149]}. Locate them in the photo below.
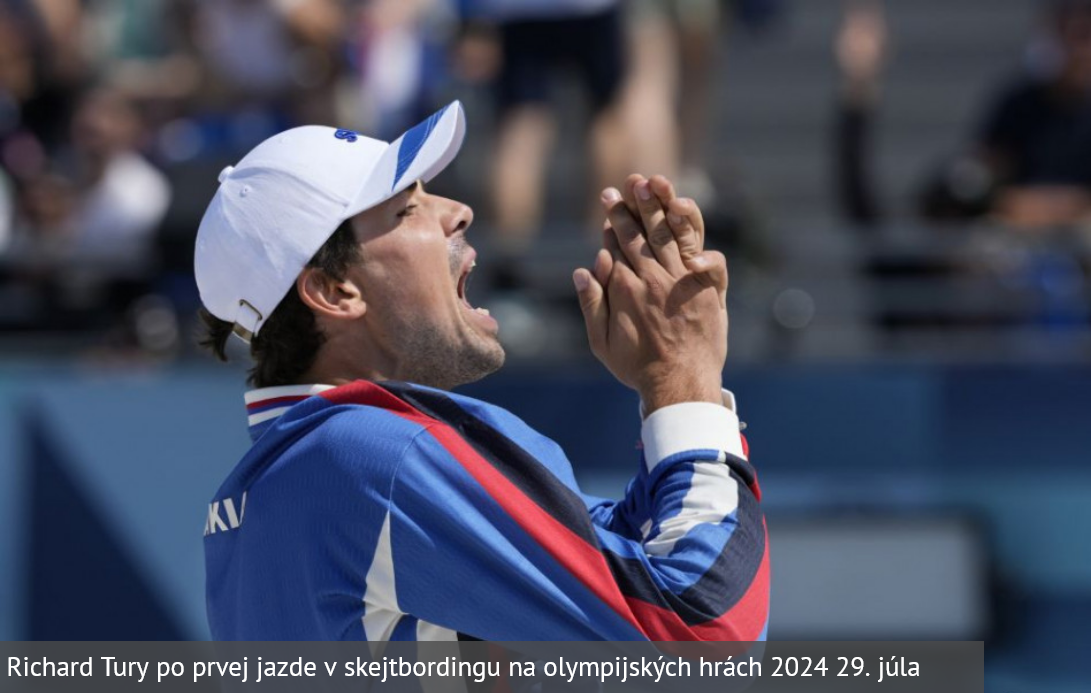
{"type": "Point", "coordinates": [395, 57]}
{"type": "Point", "coordinates": [120, 214]}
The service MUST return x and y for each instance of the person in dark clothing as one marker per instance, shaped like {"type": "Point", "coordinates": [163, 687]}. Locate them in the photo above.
{"type": "Point", "coordinates": [540, 40]}
{"type": "Point", "coordinates": [1031, 163]}
{"type": "Point", "coordinates": [860, 50]}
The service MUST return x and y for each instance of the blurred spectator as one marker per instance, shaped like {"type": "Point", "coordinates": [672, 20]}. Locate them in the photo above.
{"type": "Point", "coordinates": [267, 65]}
{"type": "Point", "coordinates": [1032, 162]}
{"type": "Point", "coordinates": [33, 100]}
{"type": "Point", "coordinates": [861, 53]}
{"type": "Point", "coordinates": [141, 49]}
{"type": "Point", "coordinates": [17, 79]}
{"type": "Point", "coordinates": [90, 218]}
{"type": "Point", "coordinates": [397, 55]}
{"type": "Point", "coordinates": [123, 198]}
{"type": "Point", "coordinates": [674, 45]}
{"type": "Point", "coordinates": [538, 40]}
{"type": "Point", "coordinates": [248, 46]}
{"type": "Point", "coordinates": [17, 83]}
{"type": "Point", "coordinates": [44, 223]}
{"type": "Point", "coordinates": [51, 36]}
{"type": "Point", "coordinates": [83, 234]}
{"type": "Point", "coordinates": [756, 14]}
{"type": "Point", "coordinates": [677, 53]}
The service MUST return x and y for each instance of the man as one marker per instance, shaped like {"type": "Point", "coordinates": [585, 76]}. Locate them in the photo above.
{"type": "Point", "coordinates": [375, 504]}
{"type": "Point", "coordinates": [1030, 163]}
{"type": "Point", "coordinates": [1036, 139]}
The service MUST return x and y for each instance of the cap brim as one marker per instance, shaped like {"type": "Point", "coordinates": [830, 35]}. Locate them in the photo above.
{"type": "Point", "coordinates": [420, 154]}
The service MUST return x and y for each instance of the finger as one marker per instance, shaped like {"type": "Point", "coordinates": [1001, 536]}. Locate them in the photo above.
{"type": "Point", "coordinates": [628, 192]}
{"type": "Point", "coordinates": [663, 189]}
{"type": "Point", "coordinates": [690, 240]}
{"type": "Point", "coordinates": [610, 245]}
{"type": "Point", "coordinates": [593, 305]}
{"type": "Point", "coordinates": [659, 233]}
{"type": "Point", "coordinates": [630, 239]}
{"type": "Point", "coordinates": [688, 225]}
{"type": "Point", "coordinates": [620, 269]}
{"type": "Point", "coordinates": [710, 269]}
{"type": "Point", "coordinates": [609, 241]}
{"type": "Point", "coordinates": [604, 266]}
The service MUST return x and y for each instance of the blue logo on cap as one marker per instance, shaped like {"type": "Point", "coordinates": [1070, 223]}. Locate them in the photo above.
{"type": "Point", "coordinates": [347, 135]}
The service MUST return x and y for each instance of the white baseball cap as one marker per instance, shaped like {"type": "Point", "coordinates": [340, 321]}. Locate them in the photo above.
{"type": "Point", "coordinates": [282, 202]}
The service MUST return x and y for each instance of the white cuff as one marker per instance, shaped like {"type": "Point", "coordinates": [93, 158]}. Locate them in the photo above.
{"type": "Point", "coordinates": [691, 426]}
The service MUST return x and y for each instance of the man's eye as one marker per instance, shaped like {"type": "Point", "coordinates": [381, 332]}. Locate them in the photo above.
{"type": "Point", "coordinates": [407, 211]}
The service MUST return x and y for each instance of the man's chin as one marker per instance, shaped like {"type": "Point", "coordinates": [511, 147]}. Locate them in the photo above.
{"type": "Point", "coordinates": [501, 358]}
{"type": "Point", "coordinates": [468, 365]}
{"type": "Point", "coordinates": [485, 363]}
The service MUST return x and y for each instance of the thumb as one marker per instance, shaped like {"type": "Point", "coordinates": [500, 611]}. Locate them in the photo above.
{"type": "Point", "coordinates": [593, 304]}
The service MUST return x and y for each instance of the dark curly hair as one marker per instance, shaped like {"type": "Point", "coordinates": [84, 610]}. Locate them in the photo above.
{"type": "Point", "coordinates": [289, 340]}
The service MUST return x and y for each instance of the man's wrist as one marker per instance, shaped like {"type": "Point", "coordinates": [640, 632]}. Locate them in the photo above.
{"type": "Point", "coordinates": [660, 395]}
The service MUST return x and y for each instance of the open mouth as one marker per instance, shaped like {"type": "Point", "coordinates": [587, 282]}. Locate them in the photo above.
{"type": "Point", "coordinates": [463, 286]}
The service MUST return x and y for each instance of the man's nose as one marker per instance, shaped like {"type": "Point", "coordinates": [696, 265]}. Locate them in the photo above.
{"type": "Point", "coordinates": [459, 218]}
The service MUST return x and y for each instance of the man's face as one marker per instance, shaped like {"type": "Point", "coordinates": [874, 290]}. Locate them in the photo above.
{"type": "Point", "coordinates": [413, 277]}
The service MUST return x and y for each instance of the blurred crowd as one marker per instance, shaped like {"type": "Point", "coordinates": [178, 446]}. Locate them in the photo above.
{"type": "Point", "coordinates": [1023, 171]}
{"type": "Point", "coordinates": [1027, 163]}
{"type": "Point", "coordinates": [116, 115]}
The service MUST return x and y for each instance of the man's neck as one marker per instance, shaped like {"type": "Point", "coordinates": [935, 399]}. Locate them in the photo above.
{"type": "Point", "coordinates": [335, 372]}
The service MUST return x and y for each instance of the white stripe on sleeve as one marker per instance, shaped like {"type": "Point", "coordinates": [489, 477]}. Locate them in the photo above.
{"type": "Point", "coordinates": [712, 496]}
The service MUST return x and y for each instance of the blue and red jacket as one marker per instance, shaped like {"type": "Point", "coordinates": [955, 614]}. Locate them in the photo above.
{"type": "Point", "coordinates": [388, 511]}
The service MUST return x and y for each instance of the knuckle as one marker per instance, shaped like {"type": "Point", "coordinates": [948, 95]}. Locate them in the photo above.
{"type": "Point", "coordinates": [620, 220]}
{"type": "Point", "coordinates": [661, 237]}
{"type": "Point", "coordinates": [627, 234]}
{"type": "Point", "coordinates": [629, 286]}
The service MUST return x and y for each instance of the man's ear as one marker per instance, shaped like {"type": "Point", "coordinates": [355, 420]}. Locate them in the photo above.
{"type": "Point", "coordinates": [339, 299]}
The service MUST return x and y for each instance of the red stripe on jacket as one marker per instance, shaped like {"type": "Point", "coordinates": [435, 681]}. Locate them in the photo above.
{"type": "Point", "coordinates": [745, 621]}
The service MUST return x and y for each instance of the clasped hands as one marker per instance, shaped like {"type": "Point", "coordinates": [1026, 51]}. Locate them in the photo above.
{"type": "Point", "coordinates": [655, 301]}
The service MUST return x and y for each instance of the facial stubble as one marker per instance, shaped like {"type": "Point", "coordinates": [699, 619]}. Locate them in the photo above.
{"type": "Point", "coordinates": [444, 361]}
